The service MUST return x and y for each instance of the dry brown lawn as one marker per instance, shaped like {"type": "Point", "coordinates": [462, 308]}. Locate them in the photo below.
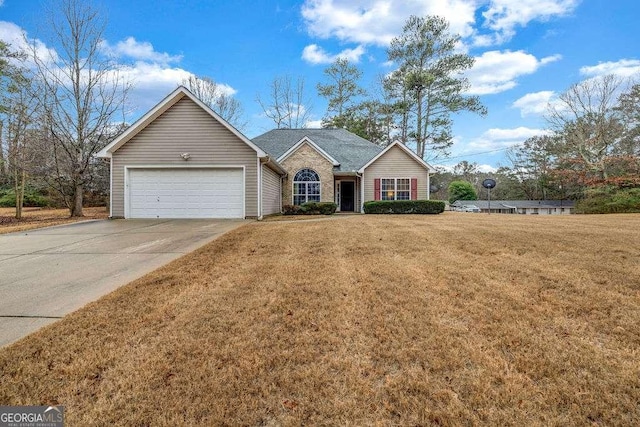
{"type": "Point", "coordinates": [39, 217]}
{"type": "Point", "coordinates": [456, 319]}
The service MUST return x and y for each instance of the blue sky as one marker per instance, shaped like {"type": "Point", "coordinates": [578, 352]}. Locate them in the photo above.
{"type": "Point", "coordinates": [527, 51]}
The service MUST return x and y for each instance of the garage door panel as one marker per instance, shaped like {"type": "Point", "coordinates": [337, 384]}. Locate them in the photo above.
{"type": "Point", "coordinates": [186, 193]}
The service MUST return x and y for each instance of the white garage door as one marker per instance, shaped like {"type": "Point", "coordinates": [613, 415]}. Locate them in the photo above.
{"type": "Point", "coordinates": [185, 193]}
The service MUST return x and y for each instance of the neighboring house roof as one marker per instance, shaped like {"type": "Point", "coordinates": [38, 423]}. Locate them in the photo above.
{"type": "Point", "coordinates": [515, 204]}
{"type": "Point", "coordinates": [349, 150]}
{"type": "Point", "coordinates": [403, 147]}
{"type": "Point", "coordinates": [160, 108]}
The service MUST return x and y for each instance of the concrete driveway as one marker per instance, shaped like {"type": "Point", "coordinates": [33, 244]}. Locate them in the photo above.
{"type": "Point", "coordinates": [50, 272]}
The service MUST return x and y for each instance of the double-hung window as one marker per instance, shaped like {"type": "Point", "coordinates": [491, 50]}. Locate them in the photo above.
{"type": "Point", "coordinates": [395, 189]}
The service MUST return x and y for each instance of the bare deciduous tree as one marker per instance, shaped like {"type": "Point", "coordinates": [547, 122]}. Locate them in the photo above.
{"type": "Point", "coordinates": [212, 94]}
{"type": "Point", "coordinates": [584, 116]}
{"type": "Point", "coordinates": [19, 117]}
{"type": "Point", "coordinates": [82, 93]}
{"type": "Point", "coordinates": [9, 70]}
{"type": "Point", "coordinates": [286, 103]}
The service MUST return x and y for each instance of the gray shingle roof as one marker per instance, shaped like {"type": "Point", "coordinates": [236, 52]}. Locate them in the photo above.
{"type": "Point", "coordinates": [351, 151]}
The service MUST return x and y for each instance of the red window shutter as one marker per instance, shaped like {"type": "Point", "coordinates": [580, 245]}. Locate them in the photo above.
{"type": "Point", "coordinates": [414, 188]}
{"type": "Point", "coordinates": [376, 189]}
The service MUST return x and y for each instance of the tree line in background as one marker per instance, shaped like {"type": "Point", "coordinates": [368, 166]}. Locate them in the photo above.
{"type": "Point", "coordinates": [58, 109]}
{"type": "Point", "coordinates": [591, 150]}
{"type": "Point", "coordinates": [590, 153]}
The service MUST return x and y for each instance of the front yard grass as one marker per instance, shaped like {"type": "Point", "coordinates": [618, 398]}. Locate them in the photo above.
{"type": "Point", "coordinates": [455, 319]}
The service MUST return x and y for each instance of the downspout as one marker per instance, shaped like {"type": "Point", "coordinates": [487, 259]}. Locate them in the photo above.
{"type": "Point", "coordinates": [428, 186]}
{"type": "Point", "coordinates": [259, 189]}
{"type": "Point", "coordinates": [362, 193]}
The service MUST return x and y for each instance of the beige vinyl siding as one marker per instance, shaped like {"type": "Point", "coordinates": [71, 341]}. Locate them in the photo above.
{"type": "Point", "coordinates": [395, 163]}
{"type": "Point", "coordinates": [271, 192]}
{"type": "Point", "coordinates": [185, 128]}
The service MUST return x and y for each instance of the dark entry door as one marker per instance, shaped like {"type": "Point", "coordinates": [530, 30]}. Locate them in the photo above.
{"type": "Point", "coordinates": [347, 199]}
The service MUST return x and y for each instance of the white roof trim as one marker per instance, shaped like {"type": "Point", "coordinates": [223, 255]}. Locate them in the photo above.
{"type": "Point", "coordinates": [407, 150]}
{"type": "Point", "coordinates": [307, 140]}
{"type": "Point", "coordinates": [160, 108]}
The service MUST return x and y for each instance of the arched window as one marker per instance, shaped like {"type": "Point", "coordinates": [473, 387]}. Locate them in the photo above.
{"type": "Point", "coordinates": [306, 187]}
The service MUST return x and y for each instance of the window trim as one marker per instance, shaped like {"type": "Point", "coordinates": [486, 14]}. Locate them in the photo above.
{"type": "Point", "coordinates": [293, 186]}
{"type": "Point", "coordinates": [395, 187]}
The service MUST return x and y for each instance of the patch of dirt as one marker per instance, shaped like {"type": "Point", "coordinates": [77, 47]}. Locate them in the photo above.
{"type": "Point", "coordinates": [33, 218]}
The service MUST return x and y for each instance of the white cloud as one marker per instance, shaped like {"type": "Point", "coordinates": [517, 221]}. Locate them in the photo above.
{"type": "Point", "coordinates": [150, 73]}
{"type": "Point", "coordinates": [378, 21]}
{"type": "Point", "coordinates": [313, 124]}
{"type": "Point", "coordinates": [15, 36]}
{"type": "Point", "coordinates": [138, 51]}
{"type": "Point", "coordinates": [499, 139]}
{"type": "Point", "coordinates": [484, 168]}
{"type": "Point", "coordinates": [504, 16]}
{"type": "Point", "coordinates": [535, 103]}
{"type": "Point", "coordinates": [151, 82]}
{"type": "Point", "coordinates": [314, 54]}
{"type": "Point", "coordinates": [622, 68]}
{"type": "Point", "coordinates": [495, 71]}
{"type": "Point", "coordinates": [487, 168]}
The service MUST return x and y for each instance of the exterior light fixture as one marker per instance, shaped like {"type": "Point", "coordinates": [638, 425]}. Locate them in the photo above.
{"type": "Point", "coordinates": [185, 156]}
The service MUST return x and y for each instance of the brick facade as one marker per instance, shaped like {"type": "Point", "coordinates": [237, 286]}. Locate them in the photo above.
{"type": "Point", "coordinates": [306, 157]}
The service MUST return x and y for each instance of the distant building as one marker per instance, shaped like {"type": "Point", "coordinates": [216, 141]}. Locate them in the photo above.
{"type": "Point", "coordinates": [525, 207]}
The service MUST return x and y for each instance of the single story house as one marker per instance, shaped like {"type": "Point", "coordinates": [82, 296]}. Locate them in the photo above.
{"type": "Point", "coordinates": [334, 165]}
{"type": "Point", "coordinates": [182, 160]}
{"type": "Point", "coordinates": [526, 207]}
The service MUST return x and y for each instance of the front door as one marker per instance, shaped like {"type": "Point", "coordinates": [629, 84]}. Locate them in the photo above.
{"type": "Point", "coordinates": [347, 196]}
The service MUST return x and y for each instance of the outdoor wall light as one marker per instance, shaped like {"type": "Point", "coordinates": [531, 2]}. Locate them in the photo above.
{"type": "Point", "coordinates": [185, 156]}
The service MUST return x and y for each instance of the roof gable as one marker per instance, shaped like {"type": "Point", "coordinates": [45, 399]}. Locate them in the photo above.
{"type": "Point", "coordinates": [164, 105]}
{"type": "Point", "coordinates": [345, 148]}
{"type": "Point", "coordinates": [407, 151]}
{"type": "Point", "coordinates": [313, 145]}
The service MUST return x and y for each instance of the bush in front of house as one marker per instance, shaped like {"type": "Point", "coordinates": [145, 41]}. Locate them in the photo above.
{"type": "Point", "coordinates": [404, 207]}
{"type": "Point", "coordinates": [311, 208]}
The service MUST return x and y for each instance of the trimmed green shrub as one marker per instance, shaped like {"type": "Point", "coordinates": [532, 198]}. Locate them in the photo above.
{"type": "Point", "coordinates": [609, 200]}
{"type": "Point", "coordinates": [311, 208]}
{"type": "Point", "coordinates": [404, 207]}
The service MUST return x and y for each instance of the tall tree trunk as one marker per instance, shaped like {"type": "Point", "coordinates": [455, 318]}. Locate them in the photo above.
{"type": "Point", "coordinates": [419, 142]}
{"type": "Point", "coordinates": [3, 163]}
{"type": "Point", "coordinates": [76, 210]}
{"type": "Point", "coordinates": [19, 180]}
